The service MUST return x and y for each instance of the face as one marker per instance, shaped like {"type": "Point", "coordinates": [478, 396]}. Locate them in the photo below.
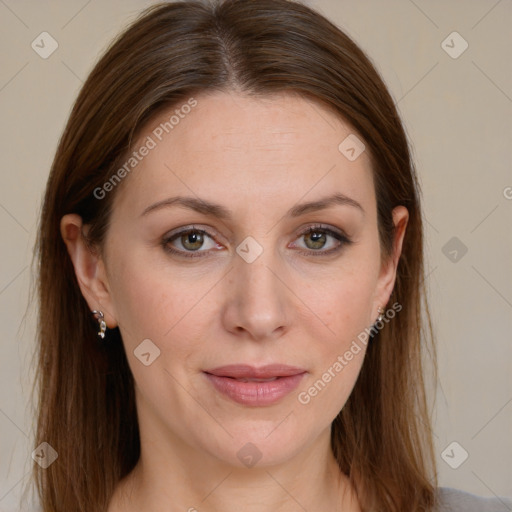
{"type": "Point", "coordinates": [239, 301]}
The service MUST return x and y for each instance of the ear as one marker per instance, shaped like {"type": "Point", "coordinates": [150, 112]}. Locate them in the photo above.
{"type": "Point", "coordinates": [387, 276]}
{"type": "Point", "coordinates": [89, 268]}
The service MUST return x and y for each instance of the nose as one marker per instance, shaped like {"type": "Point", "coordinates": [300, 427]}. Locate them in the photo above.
{"type": "Point", "coordinates": [258, 301]}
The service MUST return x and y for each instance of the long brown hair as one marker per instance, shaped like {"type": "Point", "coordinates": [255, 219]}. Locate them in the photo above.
{"type": "Point", "coordinates": [382, 438]}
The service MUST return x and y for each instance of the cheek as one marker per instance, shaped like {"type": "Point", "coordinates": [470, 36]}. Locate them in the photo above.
{"type": "Point", "coordinates": [339, 353]}
{"type": "Point", "coordinates": [153, 302]}
{"type": "Point", "coordinates": [341, 350]}
{"type": "Point", "coordinates": [344, 304]}
{"type": "Point", "coordinates": [344, 301]}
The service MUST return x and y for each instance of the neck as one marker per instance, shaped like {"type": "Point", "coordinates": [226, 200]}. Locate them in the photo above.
{"type": "Point", "coordinates": [176, 477]}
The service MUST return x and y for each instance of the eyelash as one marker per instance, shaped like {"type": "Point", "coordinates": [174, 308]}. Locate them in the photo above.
{"type": "Point", "coordinates": [343, 239]}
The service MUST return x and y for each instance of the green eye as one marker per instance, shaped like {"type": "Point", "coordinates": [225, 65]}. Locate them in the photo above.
{"type": "Point", "coordinates": [193, 242]}
{"type": "Point", "coordinates": [317, 237]}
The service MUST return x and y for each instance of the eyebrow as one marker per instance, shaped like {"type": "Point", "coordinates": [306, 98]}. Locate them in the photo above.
{"type": "Point", "coordinates": [219, 211]}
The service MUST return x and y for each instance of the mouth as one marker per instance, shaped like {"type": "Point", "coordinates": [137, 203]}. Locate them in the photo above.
{"type": "Point", "coordinates": [257, 387]}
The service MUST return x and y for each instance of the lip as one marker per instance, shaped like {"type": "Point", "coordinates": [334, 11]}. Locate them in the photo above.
{"type": "Point", "coordinates": [255, 386]}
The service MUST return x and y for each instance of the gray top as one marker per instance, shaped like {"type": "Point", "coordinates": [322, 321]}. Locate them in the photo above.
{"type": "Point", "coordinates": [452, 500]}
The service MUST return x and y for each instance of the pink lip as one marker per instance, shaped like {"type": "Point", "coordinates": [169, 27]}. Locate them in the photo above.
{"type": "Point", "coordinates": [231, 381]}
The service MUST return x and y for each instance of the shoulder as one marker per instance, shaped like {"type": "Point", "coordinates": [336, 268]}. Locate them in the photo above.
{"type": "Point", "coordinates": [453, 500]}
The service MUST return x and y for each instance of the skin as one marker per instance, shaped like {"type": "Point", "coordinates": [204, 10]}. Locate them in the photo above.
{"type": "Point", "coordinates": [258, 157]}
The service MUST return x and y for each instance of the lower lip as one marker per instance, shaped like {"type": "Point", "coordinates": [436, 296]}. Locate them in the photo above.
{"type": "Point", "coordinates": [255, 394]}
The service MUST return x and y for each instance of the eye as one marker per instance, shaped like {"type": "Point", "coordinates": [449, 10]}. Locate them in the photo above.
{"type": "Point", "coordinates": [189, 241]}
{"type": "Point", "coordinates": [193, 242]}
{"type": "Point", "coordinates": [316, 239]}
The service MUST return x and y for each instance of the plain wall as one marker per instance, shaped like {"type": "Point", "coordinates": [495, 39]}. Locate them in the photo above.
{"type": "Point", "coordinates": [457, 112]}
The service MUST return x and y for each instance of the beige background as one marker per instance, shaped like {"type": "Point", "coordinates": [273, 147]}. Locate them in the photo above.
{"type": "Point", "coordinates": [457, 112]}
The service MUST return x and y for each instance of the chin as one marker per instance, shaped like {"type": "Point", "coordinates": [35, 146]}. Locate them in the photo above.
{"type": "Point", "coordinates": [259, 444]}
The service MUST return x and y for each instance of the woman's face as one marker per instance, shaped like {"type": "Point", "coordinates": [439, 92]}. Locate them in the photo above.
{"type": "Point", "coordinates": [232, 312]}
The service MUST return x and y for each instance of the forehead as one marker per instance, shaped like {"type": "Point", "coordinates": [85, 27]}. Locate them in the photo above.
{"type": "Point", "coordinates": [244, 149]}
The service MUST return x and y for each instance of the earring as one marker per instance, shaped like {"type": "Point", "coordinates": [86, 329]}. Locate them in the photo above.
{"type": "Point", "coordinates": [381, 315]}
{"type": "Point", "coordinates": [101, 320]}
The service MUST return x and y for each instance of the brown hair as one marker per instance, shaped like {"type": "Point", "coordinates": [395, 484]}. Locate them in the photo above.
{"type": "Point", "coordinates": [382, 438]}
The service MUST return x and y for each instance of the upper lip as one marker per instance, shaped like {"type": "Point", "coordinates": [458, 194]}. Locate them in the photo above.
{"type": "Point", "coordinates": [244, 371]}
